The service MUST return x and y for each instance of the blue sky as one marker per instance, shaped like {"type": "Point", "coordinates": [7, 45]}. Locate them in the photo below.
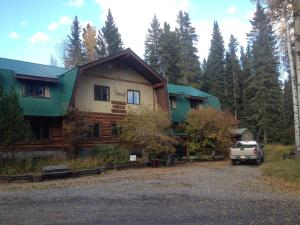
{"type": "Point", "coordinates": [32, 30]}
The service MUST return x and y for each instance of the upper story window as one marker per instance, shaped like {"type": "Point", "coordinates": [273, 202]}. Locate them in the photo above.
{"type": "Point", "coordinates": [101, 93]}
{"type": "Point", "coordinates": [194, 105]}
{"type": "Point", "coordinates": [35, 89]}
{"type": "Point", "coordinates": [133, 97]}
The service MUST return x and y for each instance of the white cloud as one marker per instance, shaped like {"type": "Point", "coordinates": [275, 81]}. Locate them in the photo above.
{"type": "Point", "coordinates": [24, 23]}
{"type": "Point", "coordinates": [63, 20]}
{"type": "Point", "coordinates": [76, 3]}
{"type": "Point", "coordinates": [14, 35]}
{"type": "Point", "coordinates": [231, 10]}
{"type": "Point", "coordinates": [250, 15]}
{"type": "Point", "coordinates": [38, 37]}
{"type": "Point", "coordinates": [206, 28]}
{"type": "Point", "coordinates": [133, 17]}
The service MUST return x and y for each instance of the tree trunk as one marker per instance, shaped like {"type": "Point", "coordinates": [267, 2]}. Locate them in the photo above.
{"type": "Point", "coordinates": [295, 90]}
{"type": "Point", "coordinates": [297, 63]}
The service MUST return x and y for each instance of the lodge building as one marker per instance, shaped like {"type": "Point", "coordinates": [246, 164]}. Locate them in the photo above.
{"type": "Point", "coordinates": [103, 91]}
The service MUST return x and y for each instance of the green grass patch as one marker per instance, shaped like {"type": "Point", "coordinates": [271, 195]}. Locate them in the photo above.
{"type": "Point", "coordinates": [276, 166]}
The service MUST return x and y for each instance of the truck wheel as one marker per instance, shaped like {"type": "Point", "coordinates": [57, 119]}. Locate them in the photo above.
{"type": "Point", "coordinates": [258, 162]}
{"type": "Point", "coordinates": [233, 162]}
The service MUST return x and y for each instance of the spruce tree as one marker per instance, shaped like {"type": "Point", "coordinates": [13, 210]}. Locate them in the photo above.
{"type": "Point", "coordinates": [288, 115]}
{"type": "Point", "coordinates": [214, 73]}
{"type": "Point", "coordinates": [152, 56]}
{"type": "Point", "coordinates": [232, 74]}
{"type": "Point", "coordinates": [263, 89]}
{"type": "Point", "coordinates": [189, 63]}
{"type": "Point", "coordinates": [13, 126]}
{"type": "Point", "coordinates": [100, 46]}
{"type": "Point", "coordinates": [169, 51]}
{"type": "Point", "coordinates": [74, 52]}
{"type": "Point", "coordinates": [245, 62]}
{"type": "Point", "coordinates": [111, 35]}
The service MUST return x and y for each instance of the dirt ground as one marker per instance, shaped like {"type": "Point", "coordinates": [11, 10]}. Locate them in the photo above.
{"type": "Point", "coordinates": [194, 193]}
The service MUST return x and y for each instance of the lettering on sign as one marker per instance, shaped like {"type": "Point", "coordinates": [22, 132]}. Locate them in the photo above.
{"type": "Point", "coordinates": [118, 107]}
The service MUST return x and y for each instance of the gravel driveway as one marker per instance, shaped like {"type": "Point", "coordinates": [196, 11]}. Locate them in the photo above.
{"type": "Point", "coordinates": [198, 193]}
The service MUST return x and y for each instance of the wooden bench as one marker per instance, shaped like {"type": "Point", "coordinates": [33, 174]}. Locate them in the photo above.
{"type": "Point", "coordinates": [55, 172]}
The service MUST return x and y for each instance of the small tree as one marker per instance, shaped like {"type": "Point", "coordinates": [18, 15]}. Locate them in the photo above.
{"type": "Point", "coordinates": [148, 128]}
{"type": "Point", "coordinates": [78, 128]}
{"type": "Point", "coordinates": [209, 130]}
{"type": "Point", "coordinates": [13, 127]}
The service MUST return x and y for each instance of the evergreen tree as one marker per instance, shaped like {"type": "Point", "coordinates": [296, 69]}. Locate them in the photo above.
{"type": "Point", "coordinates": [169, 51]}
{"type": "Point", "coordinates": [288, 115]}
{"type": "Point", "coordinates": [189, 64]}
{"type": "Point", "coordinates": [214, 74]}
{"type": "Point", "coordinates": [13, 126]}
{"type": "Point", "coordinates": [263, 89]}
{"type": "Point", "coordinates": [111, 35]}
{"type": "Point", "coordinates": [89, 42]}
{"type": "Point", "coordinates": [152, 56]}
{"type": "Point", "coordinates": [74, 53]}
{"type": "Point", "coordinates": [245, 61]}
{"type": "Point", "coordinates": [232, 74]}
{"type": "Point", "coordinates": [100, 46]}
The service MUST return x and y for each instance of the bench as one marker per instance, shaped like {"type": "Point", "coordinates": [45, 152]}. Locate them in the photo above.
{"type": "Point", "coordinates": [55, 172]}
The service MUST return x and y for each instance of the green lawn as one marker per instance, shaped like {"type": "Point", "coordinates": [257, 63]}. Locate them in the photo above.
{"type": "Point", "coordinates": [276, 166]}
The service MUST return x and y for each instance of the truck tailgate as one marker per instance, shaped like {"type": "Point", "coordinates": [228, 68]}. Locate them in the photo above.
{"type": "Point", "coordinates": [242, 151]}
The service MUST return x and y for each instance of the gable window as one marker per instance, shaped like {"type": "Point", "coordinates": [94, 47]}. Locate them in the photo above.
{"type": "Point", "coordinates": [133, 97]}
{"type": "Point", "coordinates": [101, 93]}
{"type": "Point", "coordinates": [94, 130]}
{"type": "Point", "coordinates": [40, 130]}
{"type": "Point", "coordinates": [173, 102]}
{"type": "Point", "coordinates": [35, 89]}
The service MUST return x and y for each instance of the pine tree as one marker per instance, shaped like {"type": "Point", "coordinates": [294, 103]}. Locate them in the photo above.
{"type": "Point", "coordinates": [263, 90]}
{"type": "Point", "coordinates": [169, 51]}
{"type": "Point", "coordinates": [152, 56]}
{"type": "Point", "coordinates": [189, 64]}
{"type": "Point", "coordinates": [74, 53]}
{"type": "Point", "coordinates": [288, 115]}
{"type": "Point", "coordinates": [111, 35]}
{"type": "Point", "coordinates": [89, 42]}
{"type": "Point", "coordinates": [232, 74]}
{"type": "Point", "coordinates": [214, 73]}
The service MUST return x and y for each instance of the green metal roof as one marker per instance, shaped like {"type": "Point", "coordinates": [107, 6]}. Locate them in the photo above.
{"type": "Point", "coordinates": [31, 69]}
{"type": "Point", "coordinates": [60, 93]}
{"type": "Point", "coordinates": [183, 105]}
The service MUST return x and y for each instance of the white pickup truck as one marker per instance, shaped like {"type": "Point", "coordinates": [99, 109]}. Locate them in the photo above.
{"type": "Point", "coordinates": [247, 151]}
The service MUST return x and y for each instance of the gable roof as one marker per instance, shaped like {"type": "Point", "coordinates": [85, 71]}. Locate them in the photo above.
{"type": "Point", "coordinates": [189, 91]}
{"type": "Point", "coordinates": [132, 60]}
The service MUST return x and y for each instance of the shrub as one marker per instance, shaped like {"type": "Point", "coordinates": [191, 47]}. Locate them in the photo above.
{"type": "Point", "coordinates": [111, 153]}
{"type": "Point", "coordinates": [148, 128]}
{"type": "Point", "coordinates": [209, 130]}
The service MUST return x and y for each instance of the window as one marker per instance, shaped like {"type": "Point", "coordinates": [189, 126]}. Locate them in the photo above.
{"type": "Point", "coordinates": [115, 130]}
{"type": "Point", "coordinates": [195, 105]}
{"type": "Point", "coordinates": [94, 130]}
{"type": "Point", "coordinates": [133, 97]}
{"type": "Point", "coordinates": [101, 93]}
{"type": "Point", "coordinates": [173, 102]}
{"type": "Point", "coordinates": [40, 130]}
{"type": "Point", "coordinates": [33, 88]}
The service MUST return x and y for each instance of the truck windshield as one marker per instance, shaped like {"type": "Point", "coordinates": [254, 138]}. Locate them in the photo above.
{"type": "Point", "coordinates": [243, 145]}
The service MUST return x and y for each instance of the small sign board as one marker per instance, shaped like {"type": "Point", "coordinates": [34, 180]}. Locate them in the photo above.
{"type": "Point", "coordinates": [132, 158]}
